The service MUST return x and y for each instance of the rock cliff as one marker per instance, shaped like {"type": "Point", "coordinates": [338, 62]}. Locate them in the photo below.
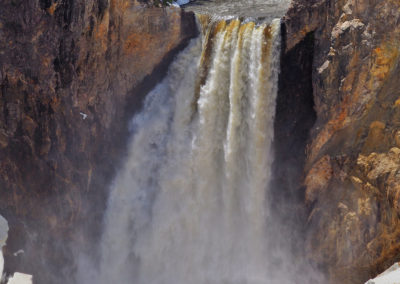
{"type": "Point", "coordinates": [71, 74]}
{"type": "Point", "coordinates": [352, 169]}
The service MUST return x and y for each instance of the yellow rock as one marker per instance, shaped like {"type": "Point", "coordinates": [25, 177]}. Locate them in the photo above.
{"type": "Point", "coordinates": [356, 182]}
{"type": "Point", "coordinates": [364, 206]}
{"type": "Point", "coordinates": [377, 124]}
{"type": "Point", "coordinates": [318, 178]}
{"type": "Point", "coordinates": [397, 138]}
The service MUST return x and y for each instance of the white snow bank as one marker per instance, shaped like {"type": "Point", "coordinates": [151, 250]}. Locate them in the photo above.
{"type": "Point", "coordinates": [20, 278]}
{"type": "Point", "coordinates": [180, 2]}
{"type": "Point", "coordinates": [390, 276]}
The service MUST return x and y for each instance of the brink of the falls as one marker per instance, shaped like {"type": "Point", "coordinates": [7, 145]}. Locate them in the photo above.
{"type": "Point", "coordinates": [190, 205]}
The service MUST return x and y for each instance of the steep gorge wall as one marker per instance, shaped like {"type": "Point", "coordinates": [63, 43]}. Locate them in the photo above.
{"type": "Point", "coordinates": [71, 74]}
{"type": "Point", "coordinates": [62, 60]}
{"type": "Point", "coordinates": [352, 168]}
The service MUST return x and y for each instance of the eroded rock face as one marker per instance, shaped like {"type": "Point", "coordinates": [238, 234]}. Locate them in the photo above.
{"type": "Point", "coordinates": [352, 169]}
{"type": "Point", "coordinates": [71, 74]}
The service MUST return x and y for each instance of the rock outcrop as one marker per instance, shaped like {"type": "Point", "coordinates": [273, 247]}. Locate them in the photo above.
{"type": "Point", "coordinates": [352, 168]}
{"type": "Point", "coordinates": [72, 72]}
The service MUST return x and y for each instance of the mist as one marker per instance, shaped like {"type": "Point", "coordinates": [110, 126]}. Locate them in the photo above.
{"type": "Point", "coordinates": [195, 200]}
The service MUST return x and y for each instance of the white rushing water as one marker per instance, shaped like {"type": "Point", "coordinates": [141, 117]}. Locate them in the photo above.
{"type": "Point", "coordinates": [190, 204]}
{"type": "Point", "coordinates": [253, 9]}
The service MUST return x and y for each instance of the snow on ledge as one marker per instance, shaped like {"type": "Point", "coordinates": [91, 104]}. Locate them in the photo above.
{"type": "Point", "coordinates": [180, 2]}
{"type": "Point", "coordinates": [20, 278]}
{"type": "Point", "coordinates": [390, 276]}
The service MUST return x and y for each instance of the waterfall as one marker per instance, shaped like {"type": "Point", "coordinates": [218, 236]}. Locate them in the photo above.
{"type": "Point", "coordinates": [190, 204]}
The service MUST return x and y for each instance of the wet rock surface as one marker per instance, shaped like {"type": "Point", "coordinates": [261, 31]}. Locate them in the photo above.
{"type": "Point", "coordinates": [71, 75]}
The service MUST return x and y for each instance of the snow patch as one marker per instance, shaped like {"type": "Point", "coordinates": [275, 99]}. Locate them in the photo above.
{"type": "Point", "coordinates": [390, 276]}
{"type": "Point", "coordinates": [21, 251]}
{"type": "Point", "coordinates": [180, 2]}
{"type": "Point", "coordinates": [84, 115]}
{"type": "Point", "coordinates": [20, 278]}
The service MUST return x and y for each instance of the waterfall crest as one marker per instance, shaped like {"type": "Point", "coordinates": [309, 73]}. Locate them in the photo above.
{"type": "Point", "coordinates": [190, 204]}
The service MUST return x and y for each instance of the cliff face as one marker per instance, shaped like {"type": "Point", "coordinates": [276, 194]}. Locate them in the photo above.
{"type": "Point", "coordinates": [352, 169]}
{"type": "Point", "coordinates": [72, 73]}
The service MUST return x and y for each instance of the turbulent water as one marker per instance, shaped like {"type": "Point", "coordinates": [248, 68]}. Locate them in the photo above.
{"type": "Point", "coordinates": [190, 204]}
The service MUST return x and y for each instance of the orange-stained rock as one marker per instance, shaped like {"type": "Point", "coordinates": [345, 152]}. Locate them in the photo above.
{"type": "Point", "coordinates": [354, 227]}
{"type": "Point", "coordinates": [317, 179]}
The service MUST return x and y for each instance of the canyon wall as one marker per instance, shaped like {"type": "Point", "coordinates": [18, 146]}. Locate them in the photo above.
{"type": "Point", "coordinates": [71, 74]}
{"type": "Point", "coordinates": [352, 167]}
